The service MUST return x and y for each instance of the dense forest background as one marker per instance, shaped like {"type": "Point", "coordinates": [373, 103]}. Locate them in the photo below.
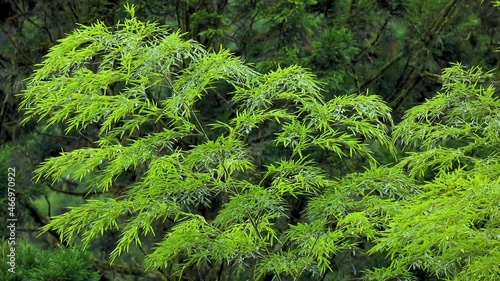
{"type": "Point", "coordinates": [405, 52]}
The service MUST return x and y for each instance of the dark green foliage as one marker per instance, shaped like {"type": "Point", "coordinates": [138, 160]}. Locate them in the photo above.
{"type": "Point", "coordinates": [176, 181]}
{"type": "Point", "coordinates": [34, 264]}
{"type": "Point", "coordinates": [451, 228]}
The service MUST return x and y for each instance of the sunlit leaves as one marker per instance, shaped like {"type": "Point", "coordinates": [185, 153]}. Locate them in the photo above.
{"type": "Point", "coordinates": [465, 109]}
{"type": "Point", "coordinates": [196, 79]}
{"type": "Point", "coordinates": [92, 219]}
{"type": "Point", "coordinates": [296, 136]}
{"type": "Point", "coordinates": [248, 120]}
{"type": "Point", "coordinates": [186, 237]}
{"type": "Point", "coordinates": [429, 234]}
{"type": "Point", "coordinates": [296, 178]}
{"type": "Point", "coordinates": [221, 157]}
{"type": "Point", "coordinates": [146, 216]}
{"type": "Point", "coordinates": [140, 87]}
{"type": "Point", "coordinates": [293, 84]}
{"type": "Point", "coordinates": [251, 206]}
{"type": "Point", "coordinates": [361, 203]}
{"type": "Point", "coordinates": [317, 242]}
{"type": "Point", "coordinates": [116, 159]}
{"type": "Point", "coordinates": [289, 263]}
{"type": "Point", "coordinates": [450, 228]}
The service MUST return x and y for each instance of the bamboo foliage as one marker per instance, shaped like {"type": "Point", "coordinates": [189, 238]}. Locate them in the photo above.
{"type": "Point", "coordinates": [141, 87]}
{"type": "Point", "coordinates": [450, 228]}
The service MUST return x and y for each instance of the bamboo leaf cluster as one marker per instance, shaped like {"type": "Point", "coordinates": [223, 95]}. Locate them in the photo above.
{"type": "Point", "coordinates": [141, 88]}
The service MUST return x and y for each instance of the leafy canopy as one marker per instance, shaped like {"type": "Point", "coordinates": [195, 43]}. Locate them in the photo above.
{"type": "Point", "coordinates": [141, 89]}
{"type": "Point", "coordinates": [451, 228]}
